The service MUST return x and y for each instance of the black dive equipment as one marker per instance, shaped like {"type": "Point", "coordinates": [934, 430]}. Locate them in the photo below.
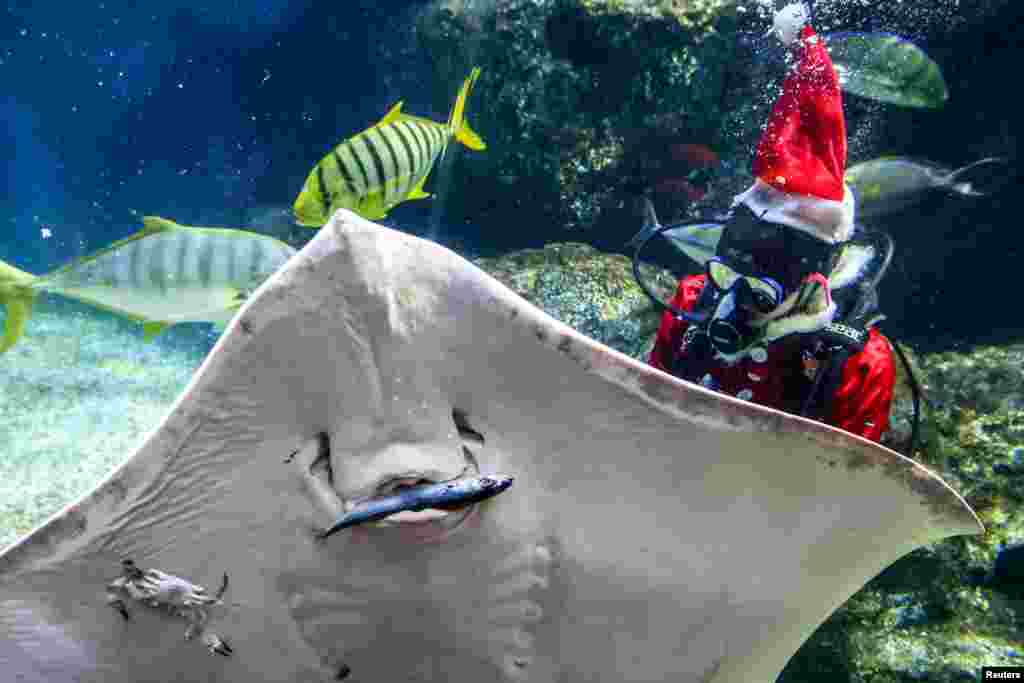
{"type": "Point", "coordinates": [857, 304]}
{"type": "Point", "coordinates": [650, 230]}
{"type": "Point", "coordinates": [739, 297]}
{"type": "Point", "coordinates": [762, 292]}
{"type": "Point", "coordinates": [779, 252]}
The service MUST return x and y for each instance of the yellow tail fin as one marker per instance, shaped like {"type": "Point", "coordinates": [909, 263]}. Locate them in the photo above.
{"type": "Point", "coordinates": [457, 122]}
{"type": "Point", "coordinates": [16, 296]}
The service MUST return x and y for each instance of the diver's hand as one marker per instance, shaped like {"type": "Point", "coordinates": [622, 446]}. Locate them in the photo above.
{"type": "Point", "coordinates": [789, 21]}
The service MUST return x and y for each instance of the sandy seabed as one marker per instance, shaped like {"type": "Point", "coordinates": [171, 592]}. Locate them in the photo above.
{"type": "Point", "coordinates": [81, 390]}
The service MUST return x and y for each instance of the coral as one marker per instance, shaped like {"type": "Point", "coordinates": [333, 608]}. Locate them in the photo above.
{"type": "Point", "coordinates": [693, 15]}
{"type": "Point", "coordinates": [576, 96]}
{"type": "Point", "coordinates": [593, 292]}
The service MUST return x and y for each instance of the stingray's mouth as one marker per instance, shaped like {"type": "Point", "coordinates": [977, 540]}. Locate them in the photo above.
{"type": "Point", "coordinates": [434, 508]}
{"type": "Point", "coordinates": [426, 505]}
{"type": "Point", "coordinates": [445, 517]}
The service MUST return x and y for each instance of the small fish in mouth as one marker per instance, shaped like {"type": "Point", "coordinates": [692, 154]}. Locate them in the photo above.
{"type": "Point", "coordinates": [445, 496]}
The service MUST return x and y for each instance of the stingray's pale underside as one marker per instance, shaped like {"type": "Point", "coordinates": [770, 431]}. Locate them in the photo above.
{"type": "Point", "coordinates": [656, 530]}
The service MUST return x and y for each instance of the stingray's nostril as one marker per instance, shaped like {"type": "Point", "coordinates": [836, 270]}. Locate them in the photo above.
{"type": "Point", "coordinates": [465, 430]}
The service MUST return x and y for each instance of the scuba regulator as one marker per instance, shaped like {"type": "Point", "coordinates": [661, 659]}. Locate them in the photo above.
{"type": "Point", "coordinates": [738, 290]}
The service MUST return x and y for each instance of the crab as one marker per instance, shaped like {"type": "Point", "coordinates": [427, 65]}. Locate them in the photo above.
{"type": "Point", "coordinates": [173, 594]}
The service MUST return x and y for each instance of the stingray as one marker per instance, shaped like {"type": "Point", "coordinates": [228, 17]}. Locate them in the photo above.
{"type": "Point", "coordinates": [656, 530]}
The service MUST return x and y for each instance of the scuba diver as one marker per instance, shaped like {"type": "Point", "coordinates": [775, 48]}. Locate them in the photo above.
{"type": "Point", "coordinates": [783, 314]}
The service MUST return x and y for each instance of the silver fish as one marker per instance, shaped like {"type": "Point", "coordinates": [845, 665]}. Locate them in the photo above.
{"type": "Point", "coordinates": [886, 68]}
{"type": "Point", "coordinates": [889, 184]}
{"type": "Point", "coordinates": [164, 274]}
{"type": "Point", "coordinates": [698, 241]}
{"type": "Point", "coordinates": [449, 495]}
{"type": "Point", "coordinates": [878, 66]}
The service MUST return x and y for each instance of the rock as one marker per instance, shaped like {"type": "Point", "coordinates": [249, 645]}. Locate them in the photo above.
{"type": "Point", "coordinates": [579, 100]}
{"type": "Point", "coordinates": [593, 292]}
{"type": "Point", "coordinates": [1008, 571]}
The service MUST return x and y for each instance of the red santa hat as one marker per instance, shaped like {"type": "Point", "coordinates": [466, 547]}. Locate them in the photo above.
{"type": "Point", "coordinates": [801, 158]}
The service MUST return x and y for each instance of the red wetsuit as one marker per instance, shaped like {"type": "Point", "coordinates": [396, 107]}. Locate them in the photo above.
{"type": "Point", "coordinates": [780, 376]}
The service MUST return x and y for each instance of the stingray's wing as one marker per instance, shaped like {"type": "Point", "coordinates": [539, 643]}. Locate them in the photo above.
{"type": "Point", "coordinates": [655, 531]}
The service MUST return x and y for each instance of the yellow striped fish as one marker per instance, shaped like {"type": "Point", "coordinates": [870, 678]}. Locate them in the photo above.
{"type": "Point", "coordinates": [383, 166]}
{"type": "Point", "coordinates": [164, 274]}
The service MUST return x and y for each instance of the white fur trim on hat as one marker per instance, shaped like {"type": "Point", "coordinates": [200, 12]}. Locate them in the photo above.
{"type": "Point", "coordinates": [826, 219]}
{"type": "Point", "coordinates": [812, 315]}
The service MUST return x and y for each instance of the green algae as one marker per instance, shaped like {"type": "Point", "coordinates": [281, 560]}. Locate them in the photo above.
{"type": "Point", "coordinates": [574, 96]}
{"type": "Point", "coordinates": [924, 618]}
{"type": "Point", "coordinates": [80, 392]}
{"type": "Point", "coordinates": [591, 291]}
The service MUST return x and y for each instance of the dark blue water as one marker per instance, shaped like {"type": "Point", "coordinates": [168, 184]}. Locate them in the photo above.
{"type": "Point", "coordinates": [196, 111]}
{"type": "Point", "coordinates": [955, 277]}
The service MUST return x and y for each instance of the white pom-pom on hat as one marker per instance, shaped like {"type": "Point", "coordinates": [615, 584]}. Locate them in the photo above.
{"type": "Point", "coordinates": [788, 22]}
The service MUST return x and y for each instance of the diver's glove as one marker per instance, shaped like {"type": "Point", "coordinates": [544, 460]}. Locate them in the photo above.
{"type": "Point", "coordinates": [789, 21]}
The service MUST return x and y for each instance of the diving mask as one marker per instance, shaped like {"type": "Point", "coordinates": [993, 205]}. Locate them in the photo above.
{"type": "Point", "coordinates": [753, 309]}
{"type": "Point", "coordinates": [781, 253]}
{"type": "Point", "coordinates": [765, 282]}
{"type": "Point", "coordinates": [761, 292]}
{"type": "Point", "coordinates": [740, 299]}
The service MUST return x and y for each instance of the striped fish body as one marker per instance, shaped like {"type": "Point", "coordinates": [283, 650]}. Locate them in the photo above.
{"type": "Point", "coordinates": [168, 273]}
{"type": "Point", "coordinates": [384, 165]}
{"type": "Point", "coordinates": [374, 171]}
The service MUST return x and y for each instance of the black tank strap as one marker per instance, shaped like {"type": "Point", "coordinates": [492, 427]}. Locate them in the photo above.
{"type": "Point", "coordinates": [844, 335]}
{"type": "Point", "coordinates": [696, 359]}
{"type": "Point", "coordinates": [915, 390]}
{"type": "Point", "coordinates": [841, 340]}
